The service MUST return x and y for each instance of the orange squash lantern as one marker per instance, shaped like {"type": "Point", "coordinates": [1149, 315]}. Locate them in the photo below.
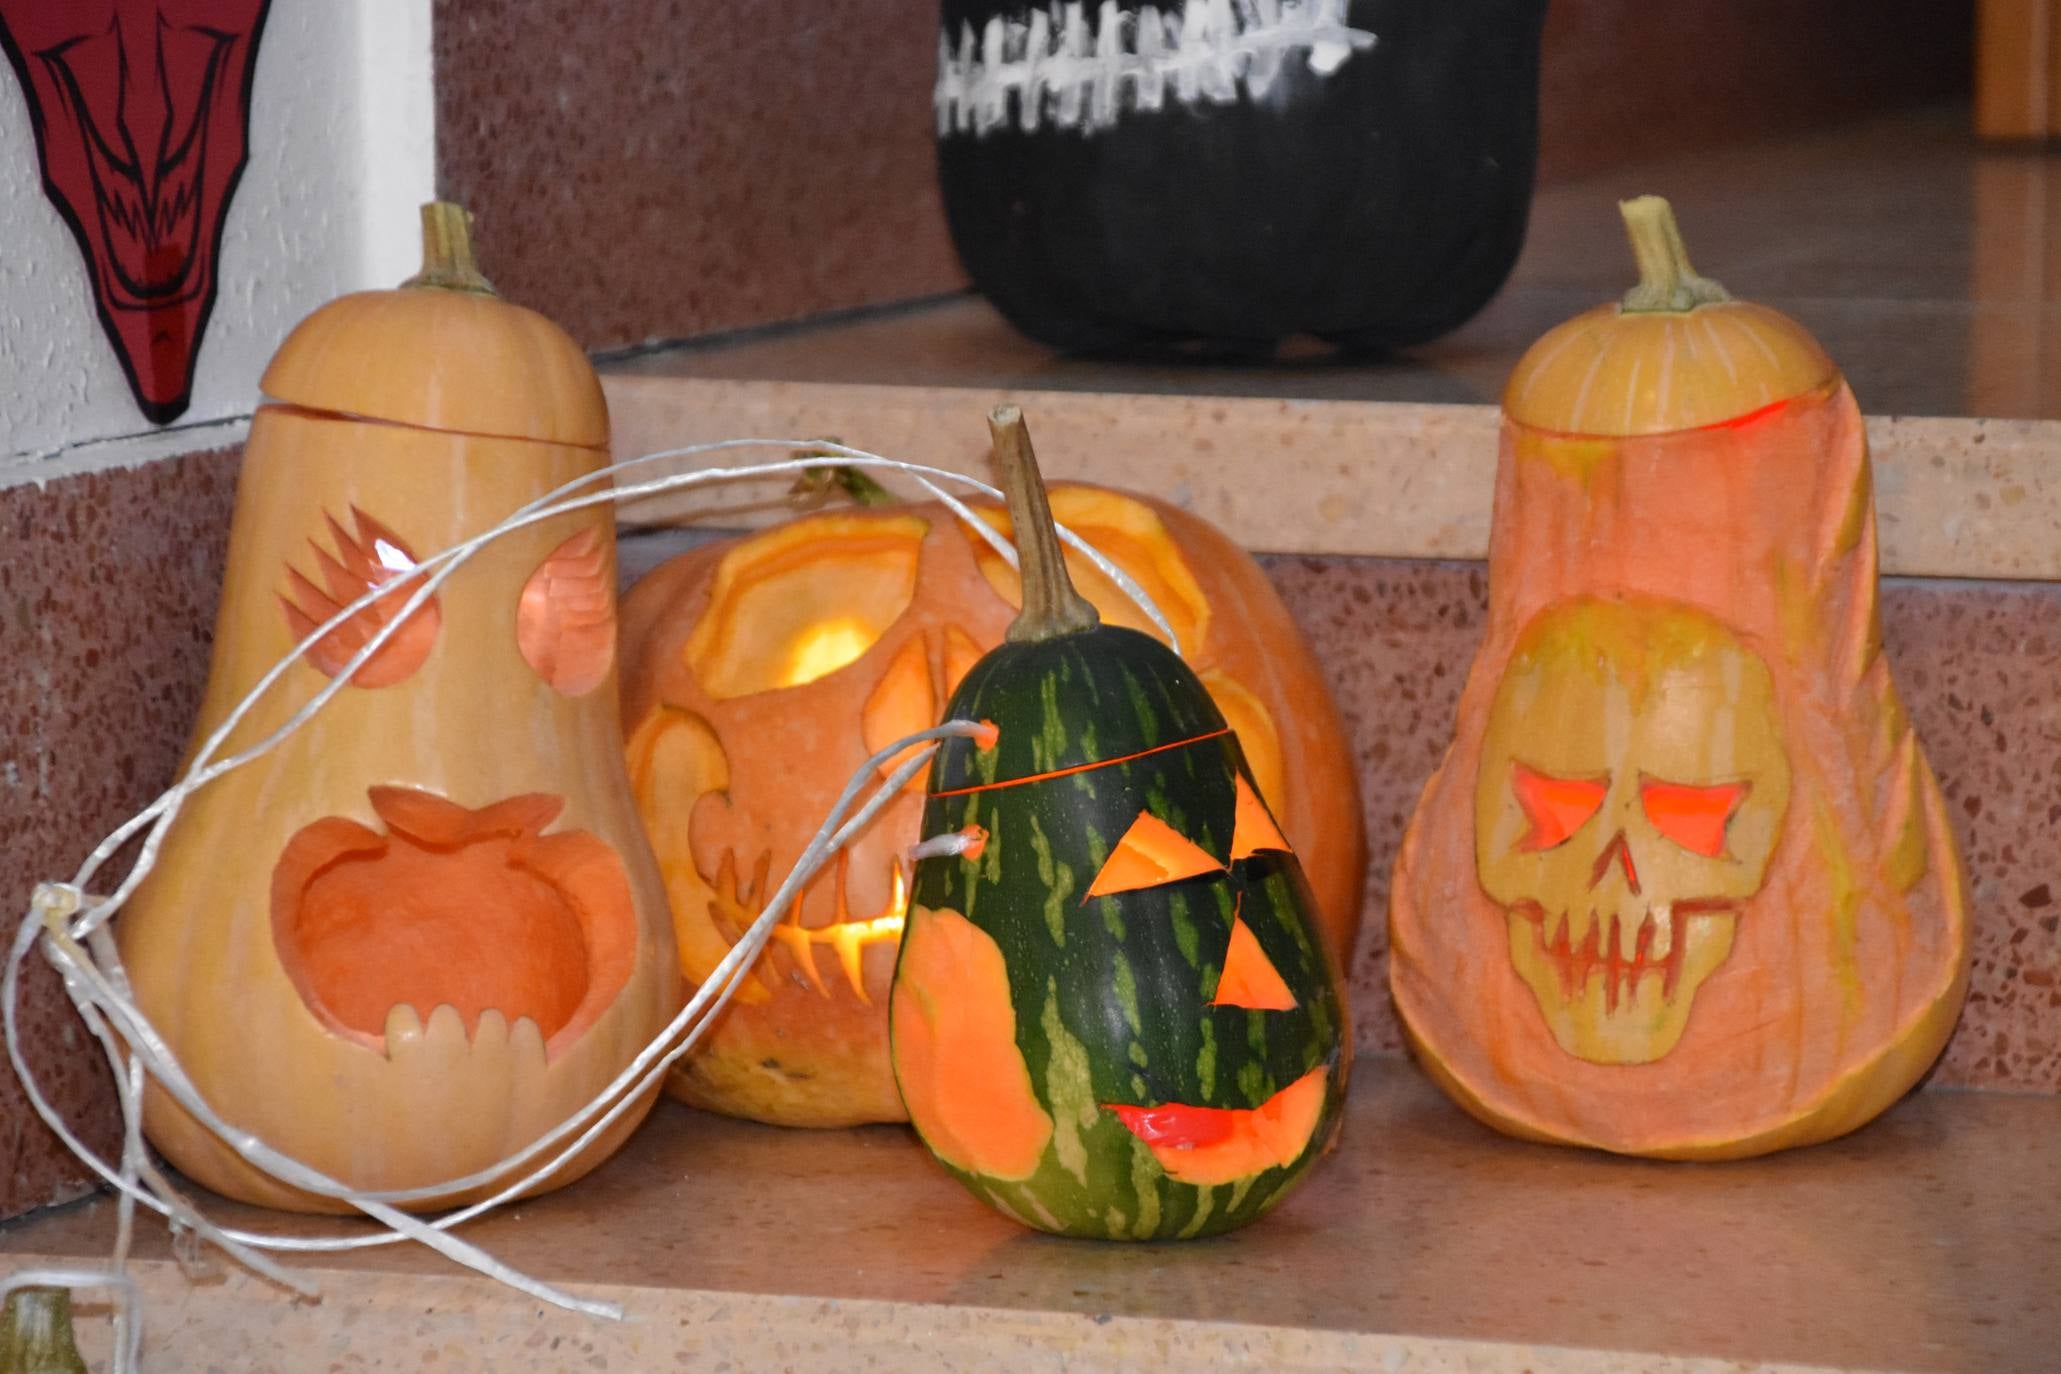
{"type": "Point", "coordinates": [759, 673]}
{"type": "Point", "coordinates": [426, 928]}
{"type": "Point", "coordinates": [1684, 885]}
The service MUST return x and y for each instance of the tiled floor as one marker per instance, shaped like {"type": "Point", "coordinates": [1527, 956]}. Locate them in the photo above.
{"type": "Point", "coordinates": [1929, 266]}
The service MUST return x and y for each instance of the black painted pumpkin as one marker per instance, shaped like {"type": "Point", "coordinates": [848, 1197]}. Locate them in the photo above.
{"type": "Point", "coordinates": [1226, 173]}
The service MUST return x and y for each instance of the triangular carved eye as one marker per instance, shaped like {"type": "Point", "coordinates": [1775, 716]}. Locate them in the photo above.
{"type": "Point", "coordinates": [1554, 807]}
{"type": "Point", "coordinates": [1150, 854]}
{"type": "Point", "coordinates": [1694, 817]}
{"type": "Point", "coordinates": [1254, 829]}
{"type": "Point", "coordinates": [1249, 978]}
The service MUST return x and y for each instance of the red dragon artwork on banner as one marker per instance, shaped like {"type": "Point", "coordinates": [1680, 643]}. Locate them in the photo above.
{"type": "Point", "coordinates": [141, 110]}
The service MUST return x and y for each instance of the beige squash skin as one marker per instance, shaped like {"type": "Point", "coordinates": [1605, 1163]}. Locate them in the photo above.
{"type": "Point", "coordinates": [474, 724]}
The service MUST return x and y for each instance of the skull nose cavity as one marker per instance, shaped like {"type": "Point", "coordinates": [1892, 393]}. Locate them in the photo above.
{"type": "Point", "coordinates": [1620, 850]}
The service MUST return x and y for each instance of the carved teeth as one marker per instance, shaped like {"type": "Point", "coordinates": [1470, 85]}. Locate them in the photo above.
{"type": "Point", "coordinates": [406, 1033]}
{"type": "Point", "coordinates": [403, 1028]}
{"type": "Point", "coordinates": [1663, 922]}
{"type": "Point", "coordinates": [525, 1040]}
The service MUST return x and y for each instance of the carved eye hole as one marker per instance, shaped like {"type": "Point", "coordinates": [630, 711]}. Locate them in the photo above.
{"type": "Point", "coordinates": [1249, 978]}
{"type": "Point", "coordinates": [1693, 817]}
{"type": "Point", "coordinates": [1150, 854]}
{"type": "Point", "coordinates": [565, 621]}
{"type": "Point", "coordinates": [799, 602]}
{"type": "Point", "coordinates": [1554, 807]}
{"type": "Point", "coordinates": [364, 559]}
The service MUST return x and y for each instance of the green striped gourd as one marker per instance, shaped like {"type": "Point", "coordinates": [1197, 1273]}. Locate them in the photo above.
{"type": "Point", "coordinates": [1112, 1014]}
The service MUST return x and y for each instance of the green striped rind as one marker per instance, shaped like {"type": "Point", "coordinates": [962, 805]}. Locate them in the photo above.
{"type": "Point", "coordinates": [1124, 693]}
{"type": "Point", "coordinates": [1110, 994]}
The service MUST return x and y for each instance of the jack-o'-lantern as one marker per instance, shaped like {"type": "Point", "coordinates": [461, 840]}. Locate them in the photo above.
{"type": "Point", "coordinates": [759, 673]}
{"type": "Point", "coordinates": [1684, 885]}
{"type": "Point", "coordinates": [1114, 1013]}
{"type": "Point", "coordinates": [426, 928]}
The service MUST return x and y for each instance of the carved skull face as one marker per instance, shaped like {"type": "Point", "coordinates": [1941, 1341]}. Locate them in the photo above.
{"type": "Point", "coordinates": [1633, 782]}
{"type": "Point", "coordinates": [141, 109]}
{"type": "Point", "coordinates": [762, 671]}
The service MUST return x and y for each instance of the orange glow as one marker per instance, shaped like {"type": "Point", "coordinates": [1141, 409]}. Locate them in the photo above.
{"type": "Point", "coordinates": [1554, 807]}
{"type": "Point", "coordinates": [1150, 854]}
{"type": "Point", "coordinates": [1253, 829]}
{"type": "Point", "coordinates": [822, 649]}
{"type": "Point", "coordinates": [1249, 978]}
{"type": "Point", "coordinates": [1693, 817]}
{"type": "Point", "coordinates": [847, 937]}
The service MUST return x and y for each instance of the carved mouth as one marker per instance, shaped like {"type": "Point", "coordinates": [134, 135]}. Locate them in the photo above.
{"type": "Point", "coordinates": [791, 951]}
{"type": "Point", "coordinates": [1205, 1146]}
{"type": "Point", "coordinates": [454, 925]}
{"type": "Point", "coordinates": [147, 204]}
{"type": "Point", "coordinates": [1609, 948]}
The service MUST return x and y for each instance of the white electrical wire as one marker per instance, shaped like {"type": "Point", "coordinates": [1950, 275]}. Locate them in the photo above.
{"type": "Point", "coordinates": [70, 926]}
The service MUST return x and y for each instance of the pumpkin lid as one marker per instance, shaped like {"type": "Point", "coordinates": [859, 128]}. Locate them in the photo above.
{"type": "Point", "coordinates": [1678, 352]}
{"type": "Point", "coordinates": [443, 352]}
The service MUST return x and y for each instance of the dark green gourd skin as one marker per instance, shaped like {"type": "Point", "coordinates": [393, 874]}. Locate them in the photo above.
{"type": "Point", "coordinates": [1110, 994]}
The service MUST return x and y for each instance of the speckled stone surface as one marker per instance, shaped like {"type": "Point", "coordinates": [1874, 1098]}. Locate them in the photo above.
{"type": "Point", "coordinates": [107, 596]}
{"type": "Point", "coordinates": [654, 171]}
{"type": "Point", "coordinates": [1925, 1242]}
{"type": "Point", "coordinates": [1977, 662]}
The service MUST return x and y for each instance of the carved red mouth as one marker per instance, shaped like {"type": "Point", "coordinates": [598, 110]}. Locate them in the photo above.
{"type": "Point", "coordinates": [1206, 1146]}
{"type": "Point", "coordinates": [1602, 949]}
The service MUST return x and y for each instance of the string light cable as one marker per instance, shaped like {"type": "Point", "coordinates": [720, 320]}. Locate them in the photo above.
{"type": "Point", "coordinates": [67, 924]}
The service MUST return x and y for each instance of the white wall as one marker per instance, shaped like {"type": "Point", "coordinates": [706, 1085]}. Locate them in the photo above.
{"type": "Point", "coordinates": [342, 151]}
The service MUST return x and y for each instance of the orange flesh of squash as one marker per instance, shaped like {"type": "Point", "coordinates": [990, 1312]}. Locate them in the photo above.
{"type": "Point", "coordinates": [1150, 854]}
{"type": "Point", "coordinates": [961, 1073]}
{"type": "Point", "coordinates": [1252, 829]}
{"type": "Point", "coordinates": [1205, 1146]}
{"type": "Point", "coordinates": [1249, 978]}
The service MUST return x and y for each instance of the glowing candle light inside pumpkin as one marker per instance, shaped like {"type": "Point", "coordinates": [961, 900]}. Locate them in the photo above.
{"type": "Point", "coordinates": [824, 648]}
{"type": "Point", "coordinates": [846, 936]}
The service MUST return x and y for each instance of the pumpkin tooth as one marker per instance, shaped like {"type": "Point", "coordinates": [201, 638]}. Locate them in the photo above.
{"type": "Point", "coordinates": [403, 1028]}
{"type": "Point", "coordinates": [525, 1041]}
{"type": "Point", "coordinates": [1662, 923]}
{"type": "Point", "coordinates": [490, 1030]}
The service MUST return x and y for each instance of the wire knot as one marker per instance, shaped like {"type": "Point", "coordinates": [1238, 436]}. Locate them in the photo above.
{"type": "Point", "coordinates": [55, 904]}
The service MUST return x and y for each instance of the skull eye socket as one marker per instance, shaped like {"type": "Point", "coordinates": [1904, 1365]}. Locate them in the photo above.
{"type": "Point", "coordinates": [1694, 817]}
{"type": "Point", "coordinates": [1554, 807]}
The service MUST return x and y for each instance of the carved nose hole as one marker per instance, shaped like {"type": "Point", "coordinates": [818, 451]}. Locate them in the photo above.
{"type": "Point", "coordinates": [1622, 852]}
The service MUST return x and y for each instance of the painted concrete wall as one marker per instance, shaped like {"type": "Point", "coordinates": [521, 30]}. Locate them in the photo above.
{"type": "Point", "coordinates": [342, 150]}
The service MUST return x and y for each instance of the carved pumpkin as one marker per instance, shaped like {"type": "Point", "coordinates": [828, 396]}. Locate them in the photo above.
{"type": "Point", "coordinates": [758, 673]}
{"type": "Point", "coordinates": [1684, 885]}
{"type": "Point", "coordinates": [426, 928]}
{"type": "Point", "coordinates": [1114, 1014]}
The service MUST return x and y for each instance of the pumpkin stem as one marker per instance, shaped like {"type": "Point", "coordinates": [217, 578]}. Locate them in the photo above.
{"type": "Point", "coordinates": [1051, 606]}
{"type": "Point", "coordinates": [1667, 283]}
{"type": "Point", "coordinates": [36, 1332]}
{"type": "Point", "coordinates": [447, 261]}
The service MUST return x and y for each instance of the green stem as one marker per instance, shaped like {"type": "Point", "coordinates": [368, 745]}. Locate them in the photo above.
{"type": "Point", "coordinates": [447, 261]}
{"type": "Point", "coordinates": [1051, 606]}
{"type": "Point", "coordinates": [1667, 283]}
{"type": "Point", "coordinates": [36, 1333]}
